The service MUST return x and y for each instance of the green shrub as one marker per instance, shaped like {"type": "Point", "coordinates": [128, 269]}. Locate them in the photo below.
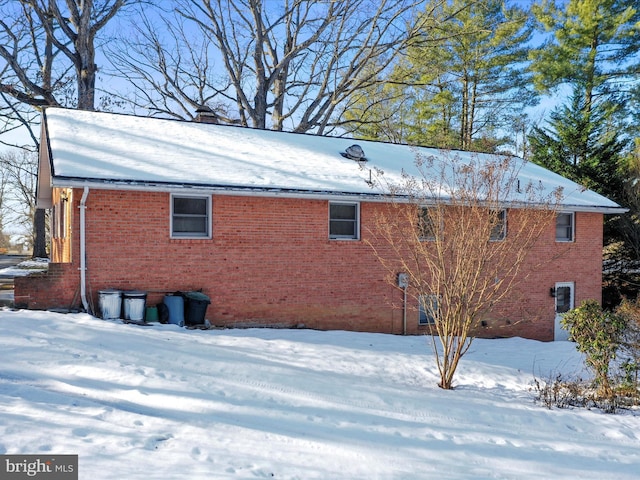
{"type": "Point", "coordinates": [598, 334]}
{"type": "Point", "coordinates": [630, 347]}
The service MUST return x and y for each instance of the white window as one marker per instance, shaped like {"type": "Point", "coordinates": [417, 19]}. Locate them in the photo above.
{"type": "Point", "coordinates": [426, 226]}
{"type": "Point", "coordinates": [427, 309]}
{"type": "Point", "coordinates": [344, 221]}
{"type": "Point", "coordinates": [190, 216]}
{"type": "Point", "coordinates": [499, 228]}
{"type": "Point", "coordinates": [565, 227]}
{"type": "Point", "coordinates": [564, 297]}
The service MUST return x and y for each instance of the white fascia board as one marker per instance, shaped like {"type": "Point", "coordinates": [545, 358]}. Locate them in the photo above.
{"type": "Point", "coordinates": [217, 190]}
{"type": "Point", "coordinates": [283, 193]}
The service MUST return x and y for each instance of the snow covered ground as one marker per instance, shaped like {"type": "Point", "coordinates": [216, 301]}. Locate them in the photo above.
{"type": "Point", "coordinates": [151, 402]}
{"type": "Point", "coordinates": [26, 267]}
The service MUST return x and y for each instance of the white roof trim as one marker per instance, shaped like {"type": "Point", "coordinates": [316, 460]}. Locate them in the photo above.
{"type": "Point", "coordinates": [271, 193]}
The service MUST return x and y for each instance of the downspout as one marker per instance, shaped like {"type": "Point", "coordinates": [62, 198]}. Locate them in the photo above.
{"type": "Point", "coordinates": [404, 311]}
{"type": "Point", "coordinates": [83, 249]}
{"type": "Point", "coordinates": [403, 283]}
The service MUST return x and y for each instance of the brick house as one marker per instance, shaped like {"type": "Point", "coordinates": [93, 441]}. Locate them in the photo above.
{"type": "Point", "coordinates": [272, 226]}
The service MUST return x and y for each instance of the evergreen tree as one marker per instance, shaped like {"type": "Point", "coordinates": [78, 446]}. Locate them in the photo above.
{"type": "Point", "coordinates": [463, 77]}
{"type": "Point", "coordinates": [593, 48]}
{"type": "Point", "coordinates": [582, 146]}
{"type": "Point", "coordinates": [378, 112]}
{"type": "Point", "coordinates": [622, 257]}
{"type": "Point", "coordinates": [593, 44]}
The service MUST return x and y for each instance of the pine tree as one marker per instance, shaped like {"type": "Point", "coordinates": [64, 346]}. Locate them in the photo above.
{"type": "Point", "coordinates": [463, 77]}
{"type": "Point", "coordinates": [593, 44]}
{"type": "Point", "coordinates": [593, 48]}
{"type": "Point", "coordinates": [581, 145]}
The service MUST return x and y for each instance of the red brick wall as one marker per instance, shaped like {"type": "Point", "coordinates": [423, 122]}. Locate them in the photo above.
{"type": "Point", "coordinates": [531, 313]}
{"type": "Point", "coordinates": [58, 288]}
{"type": "Point", "coordinates": [270, 262]}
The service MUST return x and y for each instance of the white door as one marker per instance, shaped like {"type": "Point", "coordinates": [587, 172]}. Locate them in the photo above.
{"type": "Point", "coordinates": [564, 303]}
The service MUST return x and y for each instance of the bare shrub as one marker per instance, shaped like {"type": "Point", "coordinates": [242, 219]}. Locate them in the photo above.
{"type": "Point", "coordinates": [445, 229]}
{"type": "Point", "coordinates": [556, 391]}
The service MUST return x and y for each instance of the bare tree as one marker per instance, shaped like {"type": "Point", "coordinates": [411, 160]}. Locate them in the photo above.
{"type": "Point", "coordinates": [4, 178]}
{"type": "Point", "coordinates": [47, 56]}
{"type": "Point", "coordinates": [21, 170]}
{"type": "Point", "coordinates": [171, 71]}
{"type": "Point", "coordinates": [71, 28]}
{"type": "Point", "coordinates": [47, 47]}
{"type": "Point", "coordinates": [289, 64]}
{"type": "Point", "coordinates": [28, 79]}
{"type": "Point", "coordinates": [446, 231]}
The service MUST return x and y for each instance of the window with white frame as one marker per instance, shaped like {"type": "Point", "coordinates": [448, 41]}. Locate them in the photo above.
{"type": "Point", "coordinates": [428, 306]}
{"type": "Point", "coordinates": [426, 224]}
{"type": "Point", "coordinates": [565, 227]}
{"type": "Point", "coordinates": [190, 216]}
{"type": "Point", "coordinates": [564, 297]}
{"type": "Point", "coordinates": [344, 220]}
{"type": "Point", "coordinates": [499, 227]}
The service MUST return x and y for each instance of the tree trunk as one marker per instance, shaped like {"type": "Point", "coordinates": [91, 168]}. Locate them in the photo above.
{"type": "Point", "coordinates": [85, 59]}
{"type": "Point", "coordinates": [39, 234]}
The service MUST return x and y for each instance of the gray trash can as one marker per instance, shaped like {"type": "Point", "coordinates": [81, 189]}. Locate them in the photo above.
{"type": "Point", "coordinates": [110, 303]}
{"type": "Point", "coordinates": [134, 305]}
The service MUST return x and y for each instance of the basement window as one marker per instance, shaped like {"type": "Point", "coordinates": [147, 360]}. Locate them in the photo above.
{"type": "Point", "coordinates": [343, 221]}
{"type": "Point", "coordinates": [190, 216]}
{"type": "Point", "coordinates": [427, 309]}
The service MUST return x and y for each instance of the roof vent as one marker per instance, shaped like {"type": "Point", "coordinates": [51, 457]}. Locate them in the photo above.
{"type": "Point", "coordinates": [354, 152]}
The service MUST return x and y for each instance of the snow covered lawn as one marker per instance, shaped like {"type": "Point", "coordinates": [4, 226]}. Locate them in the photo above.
{"type": "Point", "coordinates": [164, 402]}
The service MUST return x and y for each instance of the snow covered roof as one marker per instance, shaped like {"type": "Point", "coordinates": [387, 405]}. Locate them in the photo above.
{"type": "Point", "coordinates": [105, 150]}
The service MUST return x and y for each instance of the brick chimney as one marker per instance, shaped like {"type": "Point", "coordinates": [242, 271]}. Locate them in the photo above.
{"type": "Point", "coordinates": [204, 114]}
